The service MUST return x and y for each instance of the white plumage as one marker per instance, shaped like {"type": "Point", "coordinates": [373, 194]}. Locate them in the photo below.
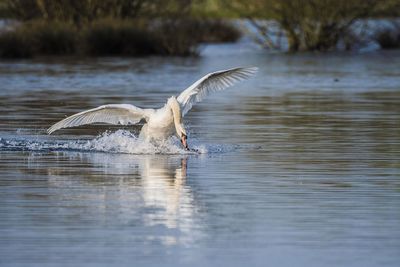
{"type": "Point", "coordinates": [212, 82]}
{"type": "Point", "coordinates": [159, 122]}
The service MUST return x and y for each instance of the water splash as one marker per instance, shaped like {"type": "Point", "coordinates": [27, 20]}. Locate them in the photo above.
{"type": "Point", "coordinates": [121, 141]}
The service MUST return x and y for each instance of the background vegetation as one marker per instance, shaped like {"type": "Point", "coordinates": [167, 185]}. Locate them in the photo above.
{"type": "Point", "coordinates": [176, 27]}
{"type": "Point", "coordinates": [311, 24]}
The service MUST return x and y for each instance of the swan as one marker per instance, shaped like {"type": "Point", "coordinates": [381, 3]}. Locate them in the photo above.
{"type": "Point", "coordinates": [160, 123]}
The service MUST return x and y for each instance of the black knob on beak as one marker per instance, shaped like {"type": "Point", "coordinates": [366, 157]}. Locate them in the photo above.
{"type": "Point", "coordinates": [184, 141]}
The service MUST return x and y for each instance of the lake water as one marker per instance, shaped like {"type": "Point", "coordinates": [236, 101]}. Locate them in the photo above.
{"type": "Point", "coordinates": [299, 166]}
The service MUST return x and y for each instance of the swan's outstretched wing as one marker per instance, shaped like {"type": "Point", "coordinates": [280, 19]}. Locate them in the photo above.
{"type": "Point", "coordinates": [212, 82]}
{"type": "Point", "coordinates": [123, 114]}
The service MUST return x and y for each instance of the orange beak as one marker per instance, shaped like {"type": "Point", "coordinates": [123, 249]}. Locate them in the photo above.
{"type": "Point", "coordinates": [184, 141]}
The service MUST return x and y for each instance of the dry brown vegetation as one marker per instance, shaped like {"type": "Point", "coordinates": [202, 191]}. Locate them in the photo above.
{"type": "Point", "coordinates": [108, 28]}
{"type": "Point", "coordinates": [171, 27]}
{"type": "Point", "coordinates": [310, 25]}
{"type": "Point", "coordinates": [104, 37]}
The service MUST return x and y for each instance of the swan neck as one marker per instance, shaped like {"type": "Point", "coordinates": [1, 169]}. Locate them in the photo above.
{"type": "Point", "coordinates": [177, 114]}
{"type": "Point", "coordinates": [176, 111]}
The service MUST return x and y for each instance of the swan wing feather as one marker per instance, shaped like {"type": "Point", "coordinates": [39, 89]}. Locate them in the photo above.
{"type": "Point", "coordinates": [212, 82]}
{"type": "Point", "coordinates": [123, 114]}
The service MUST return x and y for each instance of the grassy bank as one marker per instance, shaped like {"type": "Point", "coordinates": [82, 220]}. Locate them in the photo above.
{"type": "Point", "coordinates": [113, 37]}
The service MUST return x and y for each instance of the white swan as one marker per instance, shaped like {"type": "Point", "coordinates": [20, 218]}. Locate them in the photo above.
{"type": "Point", "coordinates": [159, 122]}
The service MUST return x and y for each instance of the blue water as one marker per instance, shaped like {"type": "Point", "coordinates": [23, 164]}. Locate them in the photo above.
{"type": "Point", "coordinates": [299, 166]}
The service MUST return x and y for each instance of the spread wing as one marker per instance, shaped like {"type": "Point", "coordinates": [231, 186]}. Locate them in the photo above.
{"type": "Point", "coordinates": [123, 114]}
{"type": "Point", "coordinates": [212, 82]}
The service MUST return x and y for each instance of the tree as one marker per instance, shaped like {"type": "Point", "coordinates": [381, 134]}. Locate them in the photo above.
{"type": "Point", "coordinates": [83, 11]}
{"type": "Point", "coordinates": [307, 24]}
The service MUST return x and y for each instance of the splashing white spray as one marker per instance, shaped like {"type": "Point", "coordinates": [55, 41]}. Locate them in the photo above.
{"type": "Point", "coordinates": [121, 141]}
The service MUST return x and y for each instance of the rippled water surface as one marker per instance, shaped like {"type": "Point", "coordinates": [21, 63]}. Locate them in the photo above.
{"type": "Point", "coordinates": [299, 166]}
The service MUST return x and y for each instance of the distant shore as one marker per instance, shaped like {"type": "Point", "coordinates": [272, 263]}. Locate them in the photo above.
{"type": "Point", "coordinates": [112, 37]}
{"type": "Point", "coordinates": [182, 37]}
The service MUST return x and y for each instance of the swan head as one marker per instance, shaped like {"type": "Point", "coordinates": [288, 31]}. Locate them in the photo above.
{"type": "Point", "coordinates": [181, 133]}
{"type": "Point", "coordinates": [177, 114]}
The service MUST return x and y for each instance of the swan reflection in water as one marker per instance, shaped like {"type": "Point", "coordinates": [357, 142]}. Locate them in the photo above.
{"type": "Point", "coordinates": [149, 193]}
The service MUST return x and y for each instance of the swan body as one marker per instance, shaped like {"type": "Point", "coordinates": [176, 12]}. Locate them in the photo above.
{"type": "Point", "coordinates": [163, 122]}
